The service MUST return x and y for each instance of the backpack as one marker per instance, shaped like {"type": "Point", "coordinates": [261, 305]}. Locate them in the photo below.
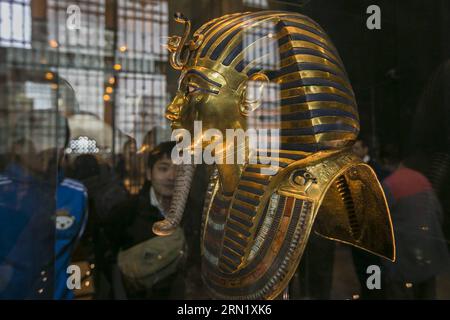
{"type": "Point", "coordinates": [147, 263]}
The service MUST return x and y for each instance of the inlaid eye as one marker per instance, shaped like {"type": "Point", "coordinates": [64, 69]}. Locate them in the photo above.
{"type": "Point", "coordinates": [191, 89]}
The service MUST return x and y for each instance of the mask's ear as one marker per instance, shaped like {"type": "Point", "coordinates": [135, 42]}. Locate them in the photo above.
{"type": "Point", "coordinates": [253, 93]}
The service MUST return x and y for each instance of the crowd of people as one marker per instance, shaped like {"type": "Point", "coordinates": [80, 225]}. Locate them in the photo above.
{"type": "Point", "coordinates": [58, 212]}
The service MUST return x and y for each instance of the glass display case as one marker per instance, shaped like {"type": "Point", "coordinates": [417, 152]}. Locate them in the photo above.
{"type": "Point", "coordinates": [224, 149]}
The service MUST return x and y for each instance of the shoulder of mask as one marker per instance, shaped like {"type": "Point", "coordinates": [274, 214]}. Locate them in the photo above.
{"type": "Point", "coordinates": [348, 201]}
{"type": "Point", "coordinates": [319, 169]}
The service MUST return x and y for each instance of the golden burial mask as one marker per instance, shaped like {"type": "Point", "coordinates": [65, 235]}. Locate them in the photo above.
{"type": "Point", "coordinates": [256, 223]}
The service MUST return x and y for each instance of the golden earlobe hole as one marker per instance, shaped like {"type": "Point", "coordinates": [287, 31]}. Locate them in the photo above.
{"type": "Point", "coordinates": [250, 104]}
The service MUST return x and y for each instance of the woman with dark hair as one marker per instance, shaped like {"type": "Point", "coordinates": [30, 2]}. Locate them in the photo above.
{"type": "Point", "coordinates": [429, 147]}
{"type": "Point", "coordinates": [416, 192]}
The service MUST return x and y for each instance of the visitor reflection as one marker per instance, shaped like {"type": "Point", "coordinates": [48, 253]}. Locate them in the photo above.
{"type": "Point", "coordinates": [38, 234]}
{"type": "Point", "coordinates": [421, 250]}
{"type": "Point", "coordinates": [418, 197]}
{"type": "Point", "coordinates": [362, 150]}
{"type": "Point", "coordinates": [109, 203]}
{"type": "Point", "coordinates": [155, 261]}
{"type": "Point", "coordinates": [131, 167]}
{"type": "Point", "coordinates": [429, 150]}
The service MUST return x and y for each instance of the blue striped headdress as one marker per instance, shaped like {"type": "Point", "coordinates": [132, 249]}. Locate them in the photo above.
{"type": "Point", "coordinates": [317, 108]}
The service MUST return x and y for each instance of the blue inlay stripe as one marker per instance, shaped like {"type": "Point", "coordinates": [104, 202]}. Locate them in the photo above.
{"type": "Point", "coordinates": [253, 169]}
{"type": "Point", "coordinates": [204, 77]}
{"type": "Point", "coordinates": [257, 180]}
{"type": "Point", "coordinates": [309, 114]}
{"type": "Point", "coordinates": [316, 97]}
{"type": "Point", "coordinates": [232, 225]}
{"type": "Point", "coordinates": [228, 194]}
{"type": "Point", "coordinates": [253, 70]}
{"type": "Point", "coordinates": [243, 209]}
{"type": "Point", "coordinates": [322, 128]}
{"type": "Point", "coordinates": [315, 82]}
{"type": "Point", "coordinates": [240, 65]}
{"type": "Point", "coordinates": [287, 23]}
{"type": "Point", "coordinates": [230, 255]}
{"type": "Point", "coordinates": [239, 48]}
{"type": "Point", "coordinates": [302, 17]}
{"type": "Point", "coordinates": [219, 49]}
{"type": "Point", "coordinates": [233, 54]}
{"type": "Point", "coordinates": [292, 156]}
{"type": "Point", "coordinates": [233, 247]}
{"type": "Point", "coordinates": [228, 264]}
{"type": "Point", "coordinates": [246, 199]}
{"type": "Point", "coordinates": [309, 51]}
{"type": "Point", "coordinates": [251, 190]}
{"type": "Point", "coordinates": [307, 147]}
{"type": "Point", "coordinates": [219, 22]}
{"type": "Point", "coordinates": [240, 220]}
{"type": "Point", "coordinates": [304, 66]}
{"type": "Point", "coordinates": [255, 55]}
{"type": "Point", "coordinates": [301, 37]}
{"type": "Point", "coordinates": [248, 18]}
{"type": "Point", "coordinates": [216, 27]}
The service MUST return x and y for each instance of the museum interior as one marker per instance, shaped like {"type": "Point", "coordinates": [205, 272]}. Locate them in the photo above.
{"type": "Point", "coordinates": [348, 198]}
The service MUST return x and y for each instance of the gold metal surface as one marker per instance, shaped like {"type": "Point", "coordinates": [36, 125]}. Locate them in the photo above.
{"type": "Point", "coordinates": [256, 225]}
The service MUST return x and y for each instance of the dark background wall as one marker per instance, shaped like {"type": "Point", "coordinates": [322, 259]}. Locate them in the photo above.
{"type": "Point", "coordinates": [388, 68]}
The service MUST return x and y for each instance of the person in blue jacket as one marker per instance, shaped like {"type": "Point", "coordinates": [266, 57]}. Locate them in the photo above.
{"type": "Point", "coordinates": [42, 214]}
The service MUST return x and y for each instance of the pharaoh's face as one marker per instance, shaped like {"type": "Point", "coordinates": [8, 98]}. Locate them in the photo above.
{"type": "Point", "coordinates": [205, 95]}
